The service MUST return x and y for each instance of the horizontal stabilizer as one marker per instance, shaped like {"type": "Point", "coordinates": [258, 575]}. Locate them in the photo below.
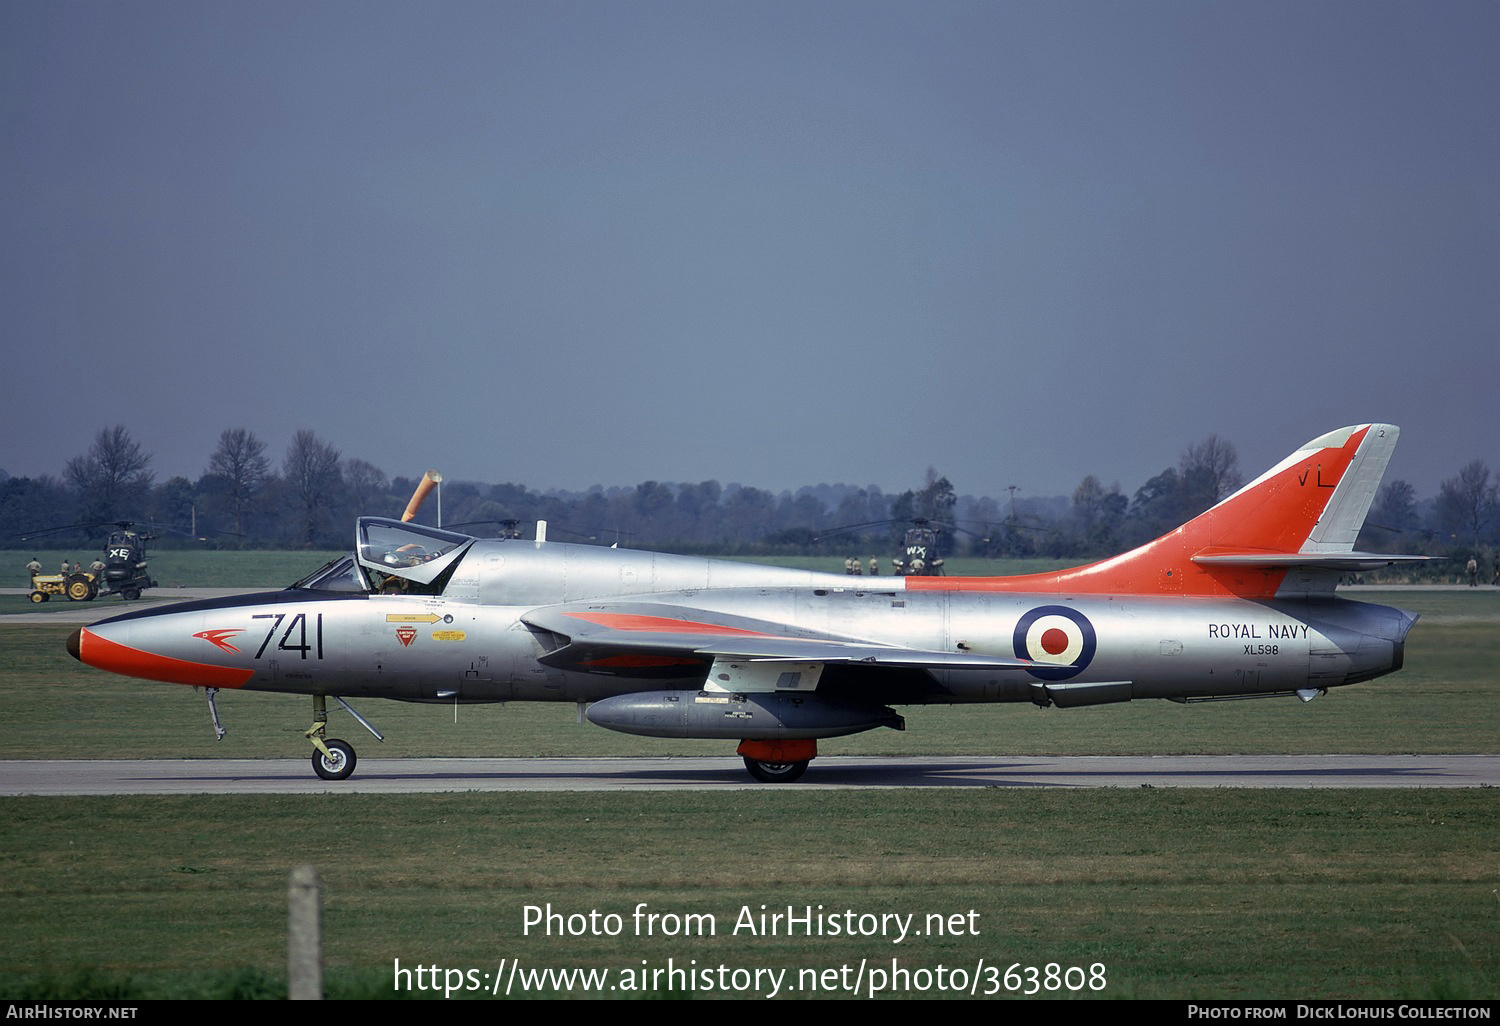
{"type": "Point", "coordinates": [1342, 561]}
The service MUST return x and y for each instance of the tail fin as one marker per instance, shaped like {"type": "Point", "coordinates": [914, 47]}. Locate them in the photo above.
{"type": "Point", "coordinates": [1311, 503]}
{"type": "Point", "coordinates": [1302, 513]}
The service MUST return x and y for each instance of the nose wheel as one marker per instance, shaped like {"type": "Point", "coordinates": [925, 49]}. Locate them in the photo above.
{"type": "Point", "coordinates": [337, 762]}
{"type": "Point", "coordinates": [333, 759]}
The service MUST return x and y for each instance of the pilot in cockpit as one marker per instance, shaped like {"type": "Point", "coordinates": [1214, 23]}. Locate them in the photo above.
{"type": "Point", "coordinates": [407, 555]}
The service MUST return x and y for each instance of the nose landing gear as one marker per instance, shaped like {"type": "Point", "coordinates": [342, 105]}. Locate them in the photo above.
{"type": "Point", "coordinates": [334, 758]}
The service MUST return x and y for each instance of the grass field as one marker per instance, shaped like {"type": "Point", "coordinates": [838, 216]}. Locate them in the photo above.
{"type": "Point", "coordinates": [1227, 894]}
{"type": "Point", "coordinates": [1184, 893]}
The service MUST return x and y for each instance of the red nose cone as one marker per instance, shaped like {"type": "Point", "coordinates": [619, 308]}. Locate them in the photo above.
{"type": "Point", "coordinates": [134, 662]}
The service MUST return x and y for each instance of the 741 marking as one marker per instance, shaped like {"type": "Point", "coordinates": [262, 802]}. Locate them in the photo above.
{"type": "Point", "coordinates": [299, 624]}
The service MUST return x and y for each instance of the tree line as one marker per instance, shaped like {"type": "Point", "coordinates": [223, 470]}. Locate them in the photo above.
{"type": "Point", "coordinates": [310, 497]}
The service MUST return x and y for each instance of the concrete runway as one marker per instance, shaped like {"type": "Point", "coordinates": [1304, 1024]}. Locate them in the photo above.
{"type": "Point", "coordinates": [397, 776]}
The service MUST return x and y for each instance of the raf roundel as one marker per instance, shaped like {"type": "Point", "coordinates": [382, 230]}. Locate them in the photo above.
{"type": "Point", "coordinates": [1055, 635]}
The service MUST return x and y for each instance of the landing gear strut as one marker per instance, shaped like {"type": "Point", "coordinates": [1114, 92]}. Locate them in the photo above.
{"type": "Point", "coordinates": [213, 710]}
{"type": "Point", "coordinates": [334, 758]}
{"type": "Point", "coordinates": [778, 762]}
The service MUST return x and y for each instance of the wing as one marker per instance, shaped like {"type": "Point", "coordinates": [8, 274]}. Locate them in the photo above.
{"type": "Point", "coordinates": [731, 652]}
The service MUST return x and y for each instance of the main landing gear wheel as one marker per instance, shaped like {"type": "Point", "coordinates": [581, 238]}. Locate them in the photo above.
{"type": "Point", "coordinates": [338, 763]}
{"type": "Point", "coordinates": [773, 772]}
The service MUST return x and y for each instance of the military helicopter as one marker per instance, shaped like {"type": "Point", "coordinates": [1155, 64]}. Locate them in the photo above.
{"type": "Point", "coordinates": [918, 555]}
{"type": "Point", "coordinates": [919, 550]}
{"type": "Point", "coordinates": [124, 570]}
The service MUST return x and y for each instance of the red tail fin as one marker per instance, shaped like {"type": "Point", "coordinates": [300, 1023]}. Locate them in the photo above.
{"type": "Point", "coordinates": [1305, 511]}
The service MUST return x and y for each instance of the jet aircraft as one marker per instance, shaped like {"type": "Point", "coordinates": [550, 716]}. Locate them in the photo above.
{"type": "Point", "coordinates": [1237, 603]}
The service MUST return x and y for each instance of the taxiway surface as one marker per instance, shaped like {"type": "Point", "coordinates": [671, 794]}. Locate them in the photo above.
{"type": "Point", "coordinates": [398, 776]}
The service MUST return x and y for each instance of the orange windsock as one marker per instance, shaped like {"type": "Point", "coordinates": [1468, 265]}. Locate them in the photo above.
{"type": "Point", "coordinates": [430, 480]}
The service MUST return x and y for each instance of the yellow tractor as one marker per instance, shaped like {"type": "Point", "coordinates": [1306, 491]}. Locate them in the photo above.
{"type": "Point", "coordinates": [79, 587]}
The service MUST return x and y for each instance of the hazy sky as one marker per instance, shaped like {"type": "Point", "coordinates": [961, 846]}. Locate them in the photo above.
{"type": "Point", "coordinates": [778, 243]}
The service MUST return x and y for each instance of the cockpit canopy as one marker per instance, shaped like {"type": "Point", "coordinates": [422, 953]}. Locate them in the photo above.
{"type": "Point", "coordinates": [409, 551]}
{"type": "Point", "coordinates": [391, 556]}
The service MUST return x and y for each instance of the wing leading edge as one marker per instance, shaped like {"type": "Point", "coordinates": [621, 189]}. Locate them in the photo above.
{"type": "Point", "coordinates": [640, 636]}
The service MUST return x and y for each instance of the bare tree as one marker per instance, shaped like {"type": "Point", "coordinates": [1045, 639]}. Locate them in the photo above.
{"type": "Point", "coordinates": [1209, 473]}
{"type": "Point", "coordinates": [937, 497]}
{"type": "Point", "coordinates": [112, 476]}
{"type": "Point", "coordinates": [1088, 498]}
{"type": "Point", "coordinates": [1098, 511]}
{"type": "Point", "coordinates": [240, 462]}
{"type": "Point", "coordinates": [1393, 515]}
{"type": "Point", "coordinates": [312, 477]}
{"type": "Point", "coordinates": [1468, 503]}
{"type": "Point", "coordinates": [367, 486]}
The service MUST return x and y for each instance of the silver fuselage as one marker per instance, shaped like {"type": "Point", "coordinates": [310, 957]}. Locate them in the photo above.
{"type": "Point", "coordinates": [469, 643]}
